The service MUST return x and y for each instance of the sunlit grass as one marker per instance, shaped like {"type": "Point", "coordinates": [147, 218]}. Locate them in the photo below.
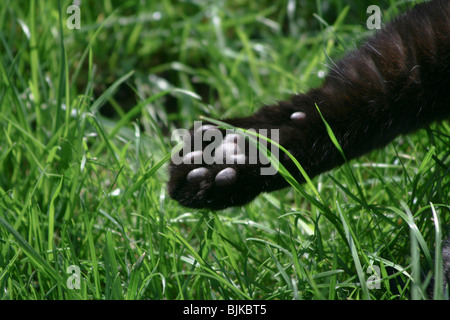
{"type": "Point", "coordinates": [79, 188]}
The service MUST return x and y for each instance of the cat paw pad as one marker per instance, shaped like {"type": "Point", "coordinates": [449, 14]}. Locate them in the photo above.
{"type": "Point", "coordinates": [226, 177]}
{"type": "Point", "coordinates": [297, 116]}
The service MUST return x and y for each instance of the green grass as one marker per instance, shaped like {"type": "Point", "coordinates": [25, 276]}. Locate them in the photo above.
{"type": "Point", "coordinates": [79, 187]}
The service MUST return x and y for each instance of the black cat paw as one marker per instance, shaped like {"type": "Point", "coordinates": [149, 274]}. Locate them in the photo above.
{"type": "Point", "coordinates": [219, 168]}
{"type": "Point", "coordinates": [214, 170]}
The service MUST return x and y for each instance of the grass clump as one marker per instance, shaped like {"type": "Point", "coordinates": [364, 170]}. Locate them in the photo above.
{"type": "Point", "coordinates": [85, 121]}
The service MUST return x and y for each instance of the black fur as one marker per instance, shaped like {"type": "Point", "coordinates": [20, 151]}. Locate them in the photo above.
{"type": "Point", "coordinates": [397, 82]}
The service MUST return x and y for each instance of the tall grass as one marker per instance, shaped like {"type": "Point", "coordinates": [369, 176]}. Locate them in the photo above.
{"type": "Point", "coordinates": [85, 120]}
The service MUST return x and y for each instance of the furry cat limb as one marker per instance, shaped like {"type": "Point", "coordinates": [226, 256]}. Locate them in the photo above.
{"type": "Point", "coordinates": [398, 81]}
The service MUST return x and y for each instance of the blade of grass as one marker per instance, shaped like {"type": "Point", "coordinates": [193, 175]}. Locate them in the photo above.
{"type": "Point", "coordinates": [348, 171]}
{"type": "Point", "coordinates": [415, 262]}
{"type": "Point", "coordinates": [93, 256]}
{"type": "Point", "coordinates": [134, 279]}
{"type": "Point", "coordinates": [25, 132]}
{"type": "Point", "coordinates": [407, 216]}
{"type": "Point", "coordinates": [36, 259]}
{"type": "Point", "coordinates": [280, 268]}
{"type": "Point", "coordinates": [61, 75]}
{"type": "Point", "coordinates": [135, 111]}
{"type": "Point", "coordinates": [51, 220]}
{"type": "Point", "coordinates": [438, 293]}
{"type": "Point", "coordinates": [354, 252]}
{"type": "Point", "coordinates": [141, 180]}
{"type": "Point", "coordinates": [109, 92]}
{"type": "Point", "coordinates": [113, 287]}
{"type": "Point", "coordinates": [34, 59]}
{"type": "Point", "coordinates": [202, 263]}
